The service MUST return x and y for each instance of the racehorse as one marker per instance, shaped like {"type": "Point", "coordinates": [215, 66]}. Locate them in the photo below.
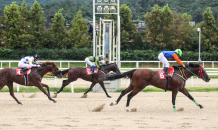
{"type": "Point", "coordinates": [8, 76]}
{"type": "Point", "coordinates": [140, 78]}
{"type": "Point", "coordinates": [79, 72]}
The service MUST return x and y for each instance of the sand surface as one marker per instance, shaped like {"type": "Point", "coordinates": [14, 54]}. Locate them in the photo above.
{"type": "Point", "coordinates": [154, 112]}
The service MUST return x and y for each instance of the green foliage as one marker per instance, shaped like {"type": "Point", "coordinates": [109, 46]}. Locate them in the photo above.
{"type": "Point", "coordinates": [138, 43]}
{"type": "Point", "coordinates": [59, 31]}
{"type": "Point", "coordinates": [46, 54]}
{"type": "Point", "coordinates": [209, 34]}
{"type": "Point", "coordinates": [78, 33]}
{"type": "Point", "coordinates": [37, 24]}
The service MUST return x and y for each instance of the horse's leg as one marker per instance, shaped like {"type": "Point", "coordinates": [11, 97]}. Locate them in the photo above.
{"type": "Point", "coordinates": [39, 85]}
{"type": "Point", "coordinates": [64, 83]}
{"type": "Point", "coordinates": [131, 95]}
{"type": "Point", "coordinates": [45, 85]}
{"type": "Point", "coordinates": [90, 88]}
{"type": "Point", "coordinates": [102, 85]}
{"type": "Point", "coordinates": [10, 86]}
{"type": "Point", "coordinates": [122, 94]}
{"type": "Point", "coordinates": [174, 93]}
{"type": "Point", "coordinates": [186, 93]}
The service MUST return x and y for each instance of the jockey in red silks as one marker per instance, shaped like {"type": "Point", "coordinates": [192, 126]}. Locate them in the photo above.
{"type": "Point", "coordinates": [164, 55]}
{"type": "Point", "coordinates": [26, 62]}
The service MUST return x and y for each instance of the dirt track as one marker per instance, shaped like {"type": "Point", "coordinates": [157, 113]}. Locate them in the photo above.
{"type": "Point", "coordinates": [154, 112]}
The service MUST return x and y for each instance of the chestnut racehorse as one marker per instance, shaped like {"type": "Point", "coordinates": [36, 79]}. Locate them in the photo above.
{"type": "Point", "coordinates": [8, 76]}
{"type": "Point", "coordinates": [140, 78]}
{"type": "Point", "coordinates": [79, 72]}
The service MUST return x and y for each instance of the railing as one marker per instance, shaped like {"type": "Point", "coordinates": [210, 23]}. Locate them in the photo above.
{"type": "Point", "coordinates": [159, 66]}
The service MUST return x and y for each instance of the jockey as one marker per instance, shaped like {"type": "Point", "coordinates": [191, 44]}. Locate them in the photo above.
{"type": "Point", "coordinates": [91, 59]}
{"type": "Point", "coordinates": [170, 55]}
{"type": "Point", "coordinates": [26, 62]}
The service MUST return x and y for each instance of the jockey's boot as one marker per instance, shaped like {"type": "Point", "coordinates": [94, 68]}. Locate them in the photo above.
{"type": "Point", "coordinates": [166, 69]}
{"type": "Point", "coordinates": [24, 70]}
{"type": "Point", "coordinates": [92, 69]}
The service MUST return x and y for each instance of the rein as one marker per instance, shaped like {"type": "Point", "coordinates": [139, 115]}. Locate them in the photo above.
{"type": "Point", "coordinates": [47, 70]}
{"type": "Point", "coordinates": [199, 75]}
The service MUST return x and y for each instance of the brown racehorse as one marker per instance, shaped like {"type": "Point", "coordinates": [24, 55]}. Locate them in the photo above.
{"type": "Point", "coordinates": [79, 72]}
{"type": "Point", "coordinates": [140, 78]}
{"type": "Point", "coordinates": [8, 76]}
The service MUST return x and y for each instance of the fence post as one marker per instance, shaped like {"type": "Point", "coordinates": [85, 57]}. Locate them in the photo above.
{"type": "Point", "coordinates": [137, 64]}
{"type": "Point", "coordinates": [72, 89]}
{"type": "Point", "coordinates": [126, 82]}
{"type": "Point", "coordinates": [213, 64]}
{"type": "Point", "coordinates": [192, 81]}
{"type": "Point", "coordinates": [55, 81]}
{"type": "Point", "coordinates": [17, 87]}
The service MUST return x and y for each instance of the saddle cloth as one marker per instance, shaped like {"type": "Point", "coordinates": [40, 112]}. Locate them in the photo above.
{"type": "Point", "coordinates": [20, 69]}
{"type": "Point", "coordinates": [162, 73]}
{"type": "Point", "coordinates": [89, 70]}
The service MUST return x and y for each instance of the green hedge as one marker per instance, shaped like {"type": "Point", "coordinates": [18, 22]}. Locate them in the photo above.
{"type": "Point", "coordinates": [82, 53]}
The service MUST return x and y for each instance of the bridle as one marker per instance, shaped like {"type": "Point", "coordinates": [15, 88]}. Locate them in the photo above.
{"type": "Point", "coordinates": [56, 72]}
{"type": "Point", "coordinates": [199, 75]}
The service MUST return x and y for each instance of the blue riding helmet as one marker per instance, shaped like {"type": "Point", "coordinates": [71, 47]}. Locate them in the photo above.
{"type": "Point", "coordinates": [101, 56]}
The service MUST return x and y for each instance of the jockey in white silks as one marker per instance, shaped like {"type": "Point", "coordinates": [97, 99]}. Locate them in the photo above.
{"type": "Point", "coordinates": [26, 62]}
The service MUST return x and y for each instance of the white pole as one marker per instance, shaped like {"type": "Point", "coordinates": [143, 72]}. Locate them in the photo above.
{"type": "Point", "coordinates": [93, 27]}
{"type": "Point", "coordinates": [118, 32]}
{"type": "Point", "coordinates": [192, 81]}
{"type": "Point", "coordinates": [199, 59]}
{"type": "Point", "coordinates": [17, 87]}
{"type": "Point", "coordinates": [72, 89]}
{"type": "Point", "coordinates": [55, 81]}
{"type": "Point", "coordinates": [126, 82]}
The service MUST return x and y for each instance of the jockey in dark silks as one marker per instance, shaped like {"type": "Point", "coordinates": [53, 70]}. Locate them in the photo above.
{"type": "Point", "coordinates": [96, 61]}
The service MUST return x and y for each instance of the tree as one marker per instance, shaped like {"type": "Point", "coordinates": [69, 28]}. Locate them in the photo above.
{"type": "Point", "coordinates": [25, 24]}
{"type": "Point", "coordinates": [153, 22]}
{"type": "Point", "coordinates": [37, 24]}
{"type": "Point", "coordinates": [138, 41]}
{"type": "Point", "coordinates": [209, 31]}
{"type": "Point", "coordinates": [78, 33]}
{"type": "Point", "coordinates": [11, 27]}
{"type": "Point", "coordinates": [59, 31]}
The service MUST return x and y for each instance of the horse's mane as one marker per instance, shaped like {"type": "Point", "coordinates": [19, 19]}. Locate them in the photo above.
{"type": "Point", "coordinates": [47, 63]}
{"type": "Point", "coordinates": [188, 65]}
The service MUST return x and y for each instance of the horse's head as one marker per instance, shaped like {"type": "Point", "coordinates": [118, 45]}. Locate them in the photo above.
{"type": "Point", "coordinates": [199, 71]}
{"type": "Point", "coordinates": [51, 66]}
{"type": "Point", "coordinates": [111, 67]}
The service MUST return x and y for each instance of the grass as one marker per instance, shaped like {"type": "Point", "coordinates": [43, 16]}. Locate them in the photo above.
{"type": "Point", "coordinates": [77, 90]}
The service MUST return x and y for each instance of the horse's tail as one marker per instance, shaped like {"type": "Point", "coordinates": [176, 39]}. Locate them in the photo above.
{"type": "Point", "coordinates": [118, 76]}
{"type": "Point", "coordinates": [65, 71]}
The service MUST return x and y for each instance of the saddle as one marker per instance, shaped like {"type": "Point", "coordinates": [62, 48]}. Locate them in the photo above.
{"type": "Point", "coordinates": [19, 71]}
{"type": "Point", "coordinates": [162, 73]}
{"type": "Point", "coordinates": [89, 70]}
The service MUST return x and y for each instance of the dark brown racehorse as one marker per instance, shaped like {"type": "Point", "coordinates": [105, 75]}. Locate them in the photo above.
{"type": "Point", "coordinates": [79, 72]}
{"type": "Point", "coordinates": [140, 78]}
{"type": "Point", "coordinates": [8, 76]}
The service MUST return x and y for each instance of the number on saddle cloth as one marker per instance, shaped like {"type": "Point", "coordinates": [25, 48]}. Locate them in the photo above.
{"type": "Point", "coordinates": [89, 70]}
{"type": "Point", "coordinates": [162, 73]}
{"type": "Point", "coordinates": [19, 71]}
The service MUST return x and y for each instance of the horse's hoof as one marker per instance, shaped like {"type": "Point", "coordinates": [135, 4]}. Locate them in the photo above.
{"type": "Point", "coordinates": [109, 96]}
{"type": "Point", "coordinates": [55, 93]}
{"type": "Point", "coordinates": [55, 101]}
{"type": "Point", "coordinates": [111, 104]}
{"type": "Point", "coordinates": [20, 103]}
{"type": "Point", "coordinates": [201, 107]}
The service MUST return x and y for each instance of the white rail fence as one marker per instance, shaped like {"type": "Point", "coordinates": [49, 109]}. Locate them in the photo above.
{"type": "Point", "coordinates": [137, 66]}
